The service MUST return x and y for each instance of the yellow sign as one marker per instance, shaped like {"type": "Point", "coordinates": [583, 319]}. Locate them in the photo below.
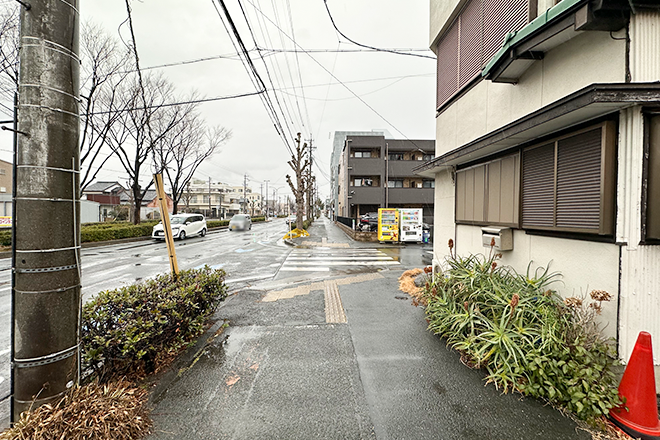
{"type": "Point", "coordinates": [5, 221]}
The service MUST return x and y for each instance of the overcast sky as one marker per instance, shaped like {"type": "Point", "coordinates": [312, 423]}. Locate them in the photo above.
{"type": "Point", "coordinates": [399, 89]}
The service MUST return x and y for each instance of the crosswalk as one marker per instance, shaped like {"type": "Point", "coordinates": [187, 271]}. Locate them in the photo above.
{"type": "Point", "coordinates": [331, 259]}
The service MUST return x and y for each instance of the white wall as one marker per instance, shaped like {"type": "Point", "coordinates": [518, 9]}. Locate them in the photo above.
{"type": "Point", "coordinates": [89, 211]}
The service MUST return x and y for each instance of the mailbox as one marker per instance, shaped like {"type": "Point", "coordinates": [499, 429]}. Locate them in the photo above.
{"type": "Point", "coordinates": [503, 238]}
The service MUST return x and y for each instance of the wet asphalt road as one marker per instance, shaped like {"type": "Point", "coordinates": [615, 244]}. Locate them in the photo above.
{"type": "Point", "coordinates": [246, 256]}
{"type": "Point", "coordinates": [282, 371]}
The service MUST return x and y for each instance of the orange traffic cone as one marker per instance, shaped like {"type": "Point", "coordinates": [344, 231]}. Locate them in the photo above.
{"type": "Point", "coordinates": [639, 414]}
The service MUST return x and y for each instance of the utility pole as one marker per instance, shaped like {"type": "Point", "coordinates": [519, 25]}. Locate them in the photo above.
{"type": "Point", "coordinates": [266, 197]}
{"type": "Point", "coordinates": [310, 185]}
{"type": "Point", "coordinates": [210, 209]}
{"type": "Point", "coordinates": [45, 356]}
{"type": "Point", "coordinates": [261, 192]}
{"type": "Point", "coordinates": [244, 191]}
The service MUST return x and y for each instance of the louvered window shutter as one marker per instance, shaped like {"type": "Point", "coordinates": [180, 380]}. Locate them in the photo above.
{"type": "Point", "coordinates": [448, 65]}
{"type": "Point", "coordinates": [470, 43]}
{"type": "Point", "coordinates": [578, 181]}
{"type": "Point", "coordinates": [538, 187]}
{"type": "Point", "coordinates": [499, 18]}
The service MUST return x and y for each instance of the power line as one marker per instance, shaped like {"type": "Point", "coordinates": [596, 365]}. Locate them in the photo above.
{"type": "Point", "coordinates": [325, 2]}
{"type": "Point", "coordinates": [337, 79]}
{"type": "Point", "coordinates": [251, 68]}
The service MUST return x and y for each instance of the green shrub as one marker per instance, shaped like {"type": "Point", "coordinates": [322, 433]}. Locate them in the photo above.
{"type": "Point", "coordinates": [5, 237]}
{"type": "Point", "coordinates": [216, 223]}
{"type": "Point", "coordinates": [115, 231]}
{"type": "Point", "coordinates": [128, 331]}
{"type": "Point", "coordinates": [258, 219]}
{"type": "Point", "coordinates": [523, 334]}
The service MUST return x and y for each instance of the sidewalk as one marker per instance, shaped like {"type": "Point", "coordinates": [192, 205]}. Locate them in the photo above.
{"type": "Point", "coordinates": [341, 358]}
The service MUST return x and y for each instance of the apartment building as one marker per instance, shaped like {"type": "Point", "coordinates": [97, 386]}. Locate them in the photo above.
{"type": "Point", "coordinates": [375, 172]}
{"type": "Point", "coordinates": [548, 123]}
{"type": "Point", "coordinates": [219, 200]}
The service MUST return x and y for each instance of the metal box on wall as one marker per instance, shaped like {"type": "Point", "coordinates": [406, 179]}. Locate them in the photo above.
{"type": "Point", "coordinates": [501, 237]}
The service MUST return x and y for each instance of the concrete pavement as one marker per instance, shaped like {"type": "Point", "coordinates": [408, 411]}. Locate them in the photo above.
{"type": "Point", "coordinates": [340, 356]}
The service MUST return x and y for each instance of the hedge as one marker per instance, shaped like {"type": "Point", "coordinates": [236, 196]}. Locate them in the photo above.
{"type": "Point", "coordinates": [103, 231]}
{"type": "Point", "coordinates": [131, 330]}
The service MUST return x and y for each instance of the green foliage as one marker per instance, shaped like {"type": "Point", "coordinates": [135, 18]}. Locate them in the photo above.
{"type": "Point", "coordinates": [523, 334]}
{"type": "Point", "coordinates": [258, 219]}
{"type": "Point", "coordinates": [307, 223]}
{"type": "Point", "coordinates": [114, 230]}
{"type": "Point", "coordinates": [129, 330]}
{"type": "Point", "coordinates": [216, 223]}
{"type": "Point", "coordinates": [5, 237]}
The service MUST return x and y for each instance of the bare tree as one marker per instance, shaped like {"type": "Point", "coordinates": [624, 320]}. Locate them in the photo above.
{"type": "Point", "coordinates": [104, 67]}
{"type": "Point", "coordinates": [148, 118]}
{"type": "Point", "coordinates": [299, 189]}
{"type": "Point", "coordinates": [9, 14]}
{"type": "Point", "coordinates": [185, 147]}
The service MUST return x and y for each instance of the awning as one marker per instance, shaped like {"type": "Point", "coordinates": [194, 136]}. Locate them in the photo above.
{"type": "Point", "coordinates": [566, 20]}
{"type": "Point", "coordinates": [582, 106]}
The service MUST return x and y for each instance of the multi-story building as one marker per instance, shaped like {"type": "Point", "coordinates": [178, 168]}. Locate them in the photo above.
{"type": "Point", "coordinates": [375, 172]}
{"type": "Point", "coordinates": [338, 143]}
{"type": "Point", "coordinates": [548, 123]}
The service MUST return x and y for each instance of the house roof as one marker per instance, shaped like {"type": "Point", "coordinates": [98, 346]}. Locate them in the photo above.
{"type": "Point", "coordinates": [103, 187]}
{"type": "Point", "coordinates": [587, 104]}
{"type": "Point", "coordinates": [148, 196]}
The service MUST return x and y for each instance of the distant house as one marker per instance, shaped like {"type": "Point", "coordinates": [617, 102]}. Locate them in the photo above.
{"type": "Point", "coordinates": [149, 208]}
{"type": "Point", "coordinates": [107, 194]}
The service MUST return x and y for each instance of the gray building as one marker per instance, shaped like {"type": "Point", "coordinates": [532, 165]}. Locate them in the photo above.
{"type": "Point", "coordinates": [376, 172]}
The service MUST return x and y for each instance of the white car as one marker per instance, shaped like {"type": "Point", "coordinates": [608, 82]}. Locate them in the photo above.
{"type": "Point", "coordinates": [183, 225]}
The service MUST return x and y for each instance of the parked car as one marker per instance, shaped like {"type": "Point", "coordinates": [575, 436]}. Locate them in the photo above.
{"type": "Point", "coordinates": [183, 225]}
{"type": "Point", "coordinates": [291, 220]}
{"type": "Point", "coordinates": [240, 222]}
{"type": "Point", "coordinates": [369, 222]}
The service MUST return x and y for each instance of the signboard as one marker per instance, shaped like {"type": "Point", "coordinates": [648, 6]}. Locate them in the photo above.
{"type": "Point", "coordinates": [5, 221]}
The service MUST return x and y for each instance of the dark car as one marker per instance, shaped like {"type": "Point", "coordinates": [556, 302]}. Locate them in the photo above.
{"type": "Point", "coordinates": [369, 222]}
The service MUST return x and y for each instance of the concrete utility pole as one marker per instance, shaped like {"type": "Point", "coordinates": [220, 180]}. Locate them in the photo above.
{"type": "Point", "coordinates": [310, 186]}
{"type": "Point", "coordinates": [46, 252]}
{"type": "Point", "coordinates": [245, 179]}
{"type": "Point", "coordinates": [210, 208]}
{"type": "Point", "coordinates": [266, 197]}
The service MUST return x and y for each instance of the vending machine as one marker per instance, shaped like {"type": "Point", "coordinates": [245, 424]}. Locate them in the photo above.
{"type": "Point", "coordinates": [410, 220]}
{"type": "Point", "coordinates": [388, 224]}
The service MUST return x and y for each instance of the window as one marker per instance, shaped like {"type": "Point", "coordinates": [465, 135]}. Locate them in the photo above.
{"type": "Point", "coordinates": [395, 156]}
{"type": "Point", "coordinates": [489, 193]}
{"type": "Point", "coordinates": [472, 40]}
{"type": "Point", "coordinates": [206, 199]}
{"type": "Point", "coordinates": [3, 171]}
{"type": "Point", "coordinates": [428, 184]}
{"type": "Point", "coordinates": [428, 157]}
{"type": "Point", "coordinates": [361, 181]}
{"type": "Point", "coordinates": [569, 184]}
{"type": "Point", "coordinates": [651, 222]}
{"type": "Point", "coordinates": [395, 183]}
{"type": "Point", "coordinates": [362, 154]}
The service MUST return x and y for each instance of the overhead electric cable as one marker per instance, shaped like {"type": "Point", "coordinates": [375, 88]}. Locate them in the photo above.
{"type": "Point", "coordinates": [338, 80]}
{"type": "Point", "coordinates": [325, 2]}
{"type": "Point", "coordinates": [255, 77]}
